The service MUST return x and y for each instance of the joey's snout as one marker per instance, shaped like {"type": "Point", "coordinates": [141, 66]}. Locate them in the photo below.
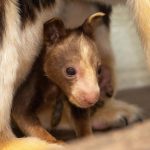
{"type": "Point", "coordinates": [89, 98]}
{"type": "Point", "coordinates": [85, 98]}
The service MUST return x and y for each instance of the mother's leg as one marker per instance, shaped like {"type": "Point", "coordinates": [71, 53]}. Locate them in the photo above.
{"type": "Point", "coordinates": [18, 50]}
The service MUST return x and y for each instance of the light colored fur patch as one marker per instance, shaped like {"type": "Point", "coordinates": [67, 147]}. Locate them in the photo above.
{"type": "Point", "coordinates": [87, 80]}
{"type": "Point", "coordinates": [90, 69]}
{"type": "Point", "coordinates": [86, 50]}
{"type": "Point", "coordinates": [141, 14]}
{"type": "Point", "coordinates": [30, 144]}
{"type": "Point", "coordinates": [20, 47]}
{"type": "Point", "coordinates": [8, 63]}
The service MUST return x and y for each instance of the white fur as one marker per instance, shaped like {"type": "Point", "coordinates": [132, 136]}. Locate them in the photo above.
{"type": "Point", "coordinates": [141, 12]}
{"type": "Point", "coordinates": [19, 49]}
{"type": "Point", "coordinates": [8, 63]}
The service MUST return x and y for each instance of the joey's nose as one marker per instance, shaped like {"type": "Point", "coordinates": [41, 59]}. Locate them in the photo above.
{"type": "Point", "coordinates": [91, 98]}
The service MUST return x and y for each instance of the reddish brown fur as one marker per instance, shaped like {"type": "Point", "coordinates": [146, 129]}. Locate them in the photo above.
{"type": "Point", "coordinates": [48, 85]}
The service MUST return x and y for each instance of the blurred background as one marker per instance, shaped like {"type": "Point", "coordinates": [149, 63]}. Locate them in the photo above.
{"type": "Point", "coordinates": [131, 68]}
{"type": "Point", "coordinates": [133, 76]}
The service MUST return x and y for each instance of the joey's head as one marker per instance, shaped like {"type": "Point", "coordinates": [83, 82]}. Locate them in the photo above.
{"type": "Point", "coordinates": [72, 61]}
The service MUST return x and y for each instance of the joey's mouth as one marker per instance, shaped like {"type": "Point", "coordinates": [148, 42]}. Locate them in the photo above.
{"type": "Point", "coordinates": [81, 104]}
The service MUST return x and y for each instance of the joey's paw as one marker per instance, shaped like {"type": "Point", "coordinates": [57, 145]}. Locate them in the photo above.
{"type": "Point", "coordinates": [116, 114]}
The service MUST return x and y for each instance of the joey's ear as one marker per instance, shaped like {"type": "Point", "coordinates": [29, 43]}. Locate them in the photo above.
{"type": "Point", "coordinates": [54, 30]}
{"type": "Point", "coordinates": [92, 22]}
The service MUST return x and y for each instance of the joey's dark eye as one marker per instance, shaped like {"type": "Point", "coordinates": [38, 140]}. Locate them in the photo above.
{"type": "Point", "coordinates": [70, 71]}
{"type": "Point", "coordinates": [99, 70]}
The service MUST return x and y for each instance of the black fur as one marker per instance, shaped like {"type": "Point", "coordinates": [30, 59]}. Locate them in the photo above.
{"type": "Point", "coordinates": [2, 20]}
{"type": "Point", "coordinates": [28, 7]}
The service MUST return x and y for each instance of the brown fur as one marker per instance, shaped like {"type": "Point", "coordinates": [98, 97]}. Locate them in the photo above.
{"type": "Point", "coordinates": [46, 83]}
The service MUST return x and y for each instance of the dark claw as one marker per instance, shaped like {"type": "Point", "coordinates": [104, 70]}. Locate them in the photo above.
{"type": "Point", "coordinates": [139, 119]}
{"type": "Point", "coordinates": [125, 121]}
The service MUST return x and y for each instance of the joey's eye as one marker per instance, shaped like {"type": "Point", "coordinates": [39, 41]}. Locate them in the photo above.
{"type": "Point", "coordinates": [99, 70]}
{"type": "Point", "coordinates": [70, 71]}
